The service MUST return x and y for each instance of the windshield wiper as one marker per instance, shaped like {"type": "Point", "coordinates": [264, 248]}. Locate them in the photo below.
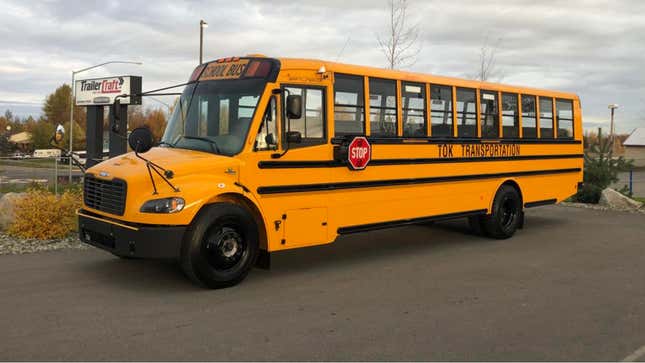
{"type": "Point", "coordinates": [210, 141]}
{"type": "Point", "coordinates": [165, 143]}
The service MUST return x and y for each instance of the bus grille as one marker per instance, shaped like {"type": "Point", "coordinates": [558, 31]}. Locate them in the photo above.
{"type": "Point", "coordinates": [105, 195]}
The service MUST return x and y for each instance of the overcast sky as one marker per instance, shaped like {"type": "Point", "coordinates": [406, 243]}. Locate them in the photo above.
{"type": "Point", "coordinates": [590, 47]}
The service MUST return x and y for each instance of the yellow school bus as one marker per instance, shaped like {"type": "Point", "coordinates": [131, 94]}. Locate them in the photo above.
{"type": "Point", "coordinates": [262, 155]}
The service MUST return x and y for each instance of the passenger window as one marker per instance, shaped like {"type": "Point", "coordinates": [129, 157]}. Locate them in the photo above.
{"type": "Point", "coordinates": [529, 121]}
{"type": "Point", "coordinates": [466, 112]}
{"type": "Point", "coordinates": [564, 109]}
{"type": "Point", "coordinates": [546, 118]}
{"type": "Point", "coordinates": [413, 97]}
{"type": "Point", "coordinates": [349, 109]}
{"type": "Point", "coordinates": [267, 137]}
{"type": "Point", "coordinates": [441, 110]}
{"type": "Point", "coordinates": [382, 107]}
{"type": "Point", "coordinates": [311, 124]}
{"type": "Point", "coordinates": [489, 115]}
{"type": "Point", "coordinates": [510, 116]}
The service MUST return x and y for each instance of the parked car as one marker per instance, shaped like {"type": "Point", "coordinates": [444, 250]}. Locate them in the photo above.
{"type": "Point", "coordinates": [19, 155]}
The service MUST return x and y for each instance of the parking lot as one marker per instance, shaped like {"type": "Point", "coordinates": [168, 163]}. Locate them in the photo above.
{"type": "Point", "coordinates": [570, 286]}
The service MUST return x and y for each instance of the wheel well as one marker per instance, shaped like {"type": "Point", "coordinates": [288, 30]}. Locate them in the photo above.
{"type": "Point", "coordinates": [514, 184]}
{"type": "Point", "coordinates": [243, 201]}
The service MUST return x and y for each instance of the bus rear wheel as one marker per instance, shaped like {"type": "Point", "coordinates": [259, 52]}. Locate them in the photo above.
{"type": "Point", "coordinates": [506, 213]}
{"type": "Point", "coordinates": [220, 247]}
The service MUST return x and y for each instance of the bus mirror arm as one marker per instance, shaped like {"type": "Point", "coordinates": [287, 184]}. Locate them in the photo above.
{"type": "Point", "coordinates": [155, 92]}
{"type": "Point", "coordinates": [66, 153]}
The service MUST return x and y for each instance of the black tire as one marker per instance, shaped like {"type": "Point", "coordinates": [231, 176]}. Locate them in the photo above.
{"type": "Point", "coordinates": [221, 246]}
{"type": "Point", "coordinates": [505, 215]}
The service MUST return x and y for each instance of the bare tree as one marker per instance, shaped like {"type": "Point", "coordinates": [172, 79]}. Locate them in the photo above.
{"type": "Point", "coordinates": [488, 61]}
{"type": "Point", "coordinates": [399, 45]}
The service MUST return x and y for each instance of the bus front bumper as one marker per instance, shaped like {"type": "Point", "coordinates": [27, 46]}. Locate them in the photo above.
{"type": "Point", "coordinates": [125, 240]}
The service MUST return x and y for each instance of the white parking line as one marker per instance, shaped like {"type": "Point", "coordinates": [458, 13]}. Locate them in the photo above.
{"type": "Point", "coordinates": [639, 353]}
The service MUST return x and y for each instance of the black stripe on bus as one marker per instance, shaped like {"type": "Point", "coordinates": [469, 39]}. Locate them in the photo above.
{"type": "Point", "coordinates": [295, 164]}
{"type": "Point", "coordinates": [298, 188]}
{"type": "Point", "coordinates": [405, 222]}
{"type": "Point", "coordinates": [540, 203]}
{"type": "Point", "coordinates": [452, 140]}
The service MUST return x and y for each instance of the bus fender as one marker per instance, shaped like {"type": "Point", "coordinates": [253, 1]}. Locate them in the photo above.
{"type": "Point", "coordinates": [515, 184]}
{"type": "Point", "coordinates": [246, 201]}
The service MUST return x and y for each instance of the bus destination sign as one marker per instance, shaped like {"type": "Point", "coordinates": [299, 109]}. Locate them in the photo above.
{"type": "Point", "coordinates": [224, 70]}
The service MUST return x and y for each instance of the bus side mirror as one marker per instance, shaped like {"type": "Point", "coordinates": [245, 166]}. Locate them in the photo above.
{"type": "Point", "coordinates": [294, 137]}
{"type": "Point", "coordinates": [141, 140]}
{"type": "Point", "coordinates": [294, 106]}
{"type": "Point", "coordinates": [270, 139]}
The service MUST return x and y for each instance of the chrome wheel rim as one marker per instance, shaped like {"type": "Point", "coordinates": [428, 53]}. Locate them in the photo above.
{"type": "Point", "coordinates": [225, 247]}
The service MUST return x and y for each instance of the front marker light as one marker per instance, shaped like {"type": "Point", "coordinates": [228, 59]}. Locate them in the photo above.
{"type": "Point", "coordinates": [165, 205]}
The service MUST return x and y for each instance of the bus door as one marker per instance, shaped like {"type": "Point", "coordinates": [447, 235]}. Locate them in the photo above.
{"type": "Point", "coordinates": [282, 172]}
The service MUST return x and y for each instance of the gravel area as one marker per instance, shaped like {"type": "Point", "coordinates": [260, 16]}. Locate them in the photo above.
{"type": "Point", "coordinates": [12, 245]}
{"type": "Point", "coordinates": [599, 207]}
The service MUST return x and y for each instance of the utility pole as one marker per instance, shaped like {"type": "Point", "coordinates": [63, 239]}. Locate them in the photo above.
{"type": "Point", "coordinates": [612, 107]}
{"type": "Point", "coordinates": [202, 25]}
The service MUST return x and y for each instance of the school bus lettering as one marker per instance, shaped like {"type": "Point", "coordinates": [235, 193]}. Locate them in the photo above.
{"type": "Point", "coordinates": [479, 150]}
{"type": "Point", "coordinates": [445, 151]}
{"type": "Point", "coordinates": [230, 70]}
{"type": "Point", "coordinates": [226, 187]}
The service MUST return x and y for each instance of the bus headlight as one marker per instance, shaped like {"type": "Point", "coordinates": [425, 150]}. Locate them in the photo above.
{"type": "Point", "coordinates": [165, 205]}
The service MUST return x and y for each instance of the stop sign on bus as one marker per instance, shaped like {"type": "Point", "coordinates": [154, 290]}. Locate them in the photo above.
{"type": "Point", "coordinates": [359, 153]}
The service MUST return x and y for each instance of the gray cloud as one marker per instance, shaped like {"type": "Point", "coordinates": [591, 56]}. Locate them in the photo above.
{"type": "Point", "coordinates": [591, 47]}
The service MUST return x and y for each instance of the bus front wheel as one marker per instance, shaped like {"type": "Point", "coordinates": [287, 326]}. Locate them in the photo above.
{"type": "Point", "coordinates": [221, 246]}
{"type": "Point", "coordinates": [506, 213]}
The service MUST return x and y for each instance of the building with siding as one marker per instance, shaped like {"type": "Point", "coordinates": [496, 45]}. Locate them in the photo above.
{"type": "Point", "coordinates": [635, 146]}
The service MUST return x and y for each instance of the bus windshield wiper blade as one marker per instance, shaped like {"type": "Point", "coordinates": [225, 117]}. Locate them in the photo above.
{"type": "Point", "coordinates": [166, 143]}
{"type": "Point", "coordinates": [211, 142]}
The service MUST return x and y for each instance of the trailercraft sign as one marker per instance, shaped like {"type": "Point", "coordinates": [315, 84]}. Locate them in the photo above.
{"type": "Point", "coordinates": [103, 91]}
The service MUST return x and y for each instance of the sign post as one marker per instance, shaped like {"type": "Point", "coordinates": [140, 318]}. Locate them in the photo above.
{"type": "Point", "coordinates": [97, 93]}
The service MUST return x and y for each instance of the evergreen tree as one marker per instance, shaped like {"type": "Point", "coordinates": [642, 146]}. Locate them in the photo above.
{"type": "Point", "coordinates": [601, 169]}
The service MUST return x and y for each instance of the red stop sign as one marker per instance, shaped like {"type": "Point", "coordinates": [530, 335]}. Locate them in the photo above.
{"type": "Point", "coordinates": [359, 153]}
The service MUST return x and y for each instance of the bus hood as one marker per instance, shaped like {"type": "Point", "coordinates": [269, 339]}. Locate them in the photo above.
{"type": "Point", "coordinates": [198, 177]}
{"type": "Point", "coordinates": [181, 162]}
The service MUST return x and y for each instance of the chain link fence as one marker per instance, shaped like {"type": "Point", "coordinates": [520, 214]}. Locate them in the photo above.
{"type": "Point", "coordinates": [18, 174]}
{"type": "Point", "coordinates": [634, 179]}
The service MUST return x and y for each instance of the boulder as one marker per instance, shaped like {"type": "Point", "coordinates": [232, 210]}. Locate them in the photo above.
{"type": "Point", "coordinates": [614, 200]}
{"type": "Point", "coordinates": [7, 203]}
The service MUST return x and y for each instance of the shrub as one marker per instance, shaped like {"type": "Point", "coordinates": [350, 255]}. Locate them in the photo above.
{"type": "Point", "coordinates": [43, 215]}
{"type": "Point", "coordinates": [601, 170]}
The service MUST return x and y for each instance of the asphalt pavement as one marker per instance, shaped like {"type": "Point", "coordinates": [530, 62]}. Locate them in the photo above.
{"type": "Point", "coordinates": [570, 286]}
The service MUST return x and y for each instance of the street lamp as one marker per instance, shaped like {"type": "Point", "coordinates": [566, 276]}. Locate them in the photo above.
{"type": "Point", "coordinates": [71, 104]}
{"type": "Point", "coordinates": [202, 25]}
{"type": "Point", "coordinates": [612, 107]}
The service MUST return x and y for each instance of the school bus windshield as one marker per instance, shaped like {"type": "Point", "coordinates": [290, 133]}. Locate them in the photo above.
{"type": "Point", "coordinates": [214, 116]}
